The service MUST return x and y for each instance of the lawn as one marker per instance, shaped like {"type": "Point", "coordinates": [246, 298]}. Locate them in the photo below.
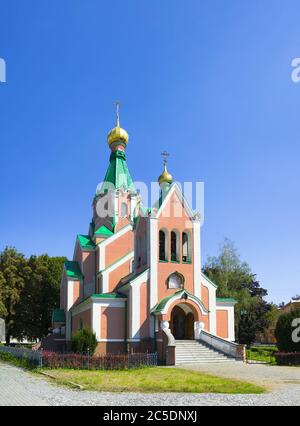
{"type": "Point", "coordinates": [156, 380]}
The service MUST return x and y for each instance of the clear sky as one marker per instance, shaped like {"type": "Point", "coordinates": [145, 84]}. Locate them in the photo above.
{"type": "Point", "coordinates": [210, 81]}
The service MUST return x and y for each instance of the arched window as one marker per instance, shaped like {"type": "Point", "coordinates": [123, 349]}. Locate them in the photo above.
{"type": "Point", "coordinates": [175, 246]}
{"type": "Point", "coordinates": [175, 280]}
{"type": "Point", "coordinates": [186, 256]}
{"type": "Point", "coordinates": [124, 210]}
{"type": "Point", "coordinates": [162, 245]}
{"type": "Point", "coordinates": [139, 249]}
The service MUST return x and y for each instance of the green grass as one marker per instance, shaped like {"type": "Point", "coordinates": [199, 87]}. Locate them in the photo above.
{"type": "Point", "coordinates": [10, 359]}
{"type": "Point", "coordinates": [155, 379]}
{"type": "Point", "coordinates": [262, 354]}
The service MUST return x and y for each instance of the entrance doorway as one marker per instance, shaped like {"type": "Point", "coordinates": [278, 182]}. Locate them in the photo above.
{"type": "Point", "coordinates": [182, 323]}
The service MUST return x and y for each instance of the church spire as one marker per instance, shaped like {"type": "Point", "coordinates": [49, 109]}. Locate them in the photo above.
{"type": "Point", "coordinates": [117, 138]}
{"type": "Point", "coordinates": [165, 177]}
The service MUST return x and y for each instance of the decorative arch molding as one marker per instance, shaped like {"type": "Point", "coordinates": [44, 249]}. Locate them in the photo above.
{"type": "Point", "coordinates": [166, 305]}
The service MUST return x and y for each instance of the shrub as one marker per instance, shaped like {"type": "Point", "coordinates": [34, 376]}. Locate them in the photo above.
{"type": "Point", "coordinates": [84, 341]}
{"type": "Point", "coordinates": [284, 331]}
{"type": "Point", "coordinates": [285, 358]}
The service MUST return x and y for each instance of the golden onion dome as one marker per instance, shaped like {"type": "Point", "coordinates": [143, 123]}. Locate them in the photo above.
{"type": "Point", "coordinates": [165, 177]}
{"type": "Point", "coordinates": [117, 134]}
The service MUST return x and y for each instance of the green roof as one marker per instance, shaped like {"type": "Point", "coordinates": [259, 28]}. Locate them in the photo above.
{"type": "Point", "coordinates": [104, 231]}
{"type": "Point", "coordinates": [73, 269]}
{"type": "Point", "coordinates": [226, 299]}
{"type": "Point", "coordinates": [85, 241]}
{"type": "Point", "coordinates": [162, 304]}
{"type": "Point", "coordinates": [117, 175]}
{"type": "Point", "coordinates": [108, 296]}
{"type": "Point", "coordinates": [58, 315]}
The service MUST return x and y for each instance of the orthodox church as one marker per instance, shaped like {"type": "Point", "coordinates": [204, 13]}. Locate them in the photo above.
{"type": "Point", "coordinates": [135, 278]}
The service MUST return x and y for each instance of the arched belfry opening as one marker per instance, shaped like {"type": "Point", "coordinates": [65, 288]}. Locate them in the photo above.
{"type": "Point", "coordinates": [182, 322]}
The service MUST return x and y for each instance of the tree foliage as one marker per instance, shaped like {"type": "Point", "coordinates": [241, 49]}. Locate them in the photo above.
{"type": "Point", "coordinates": [235, 280]}
{"type": "Point", "coordinates": [84, 341]}
{"type": "Point", "coordinates": [284, 332]}
{"type": "Point", "coordinates": [29, 290]}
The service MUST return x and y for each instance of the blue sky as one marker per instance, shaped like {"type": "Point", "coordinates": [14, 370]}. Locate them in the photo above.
{"type": "Point", "coordinates": [210, 81]}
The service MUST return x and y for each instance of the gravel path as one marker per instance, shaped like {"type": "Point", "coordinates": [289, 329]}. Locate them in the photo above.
{"type": "Point", "coordinates": [18, 387]}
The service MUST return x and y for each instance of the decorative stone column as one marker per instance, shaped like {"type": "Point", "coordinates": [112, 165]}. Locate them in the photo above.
{"type": "Point", "coordinates": [170, 345]}
{"type": "Point", "coordinates": [198, 327]}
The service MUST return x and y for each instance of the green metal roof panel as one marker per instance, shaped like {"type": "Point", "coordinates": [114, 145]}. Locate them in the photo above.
{"type": "Point", "coordinates": [103, 230]}
{"type": "Point", "coordinates": [85, 241]}
{"type": "Point", "coordinates": [117, 175]}
{"type": "Point", "coordinates": [226, 299]}
{"type": "Point", "coordinates": [73, 269]}
{"type": "Point", "coordinates": [108, 296]}
{"type": "Point", "coordinates": [58, 315]}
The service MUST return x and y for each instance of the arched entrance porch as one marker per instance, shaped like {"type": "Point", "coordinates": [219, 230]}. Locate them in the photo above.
{"type": "Point", "coordinates": [182, 322]}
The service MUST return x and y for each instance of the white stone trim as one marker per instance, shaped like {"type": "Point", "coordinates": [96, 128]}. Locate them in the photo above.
{"type": "Point", "coordinates": [197, 259]}
{"type": "Point", "coordinates": [105, 274]}
{"type": "Point", "coordinates": [153, 260]}
{"type": "Point", "coordinates": [96, 320]}
{"type": "Point", "coordinates": [114, 237]}
{"type": "Point", "coordinates": [178, 297]}
{"type": "Point", "coordinates": [97, 305]}
{"type": "Point", "coordinates": [70, 301]}
{"type": "Point", "coordinates": [186, 206]}
{"type": "Point", "coordinates": [103, 244]}
{"type": "Point", "coordinates": [135, 304]}
{"type": "Point", "coordinates": [112, 340]}
{"type": "Point", "coordinates": [229, 307]}
{"type": "Point", "coordinates": [212, 292]}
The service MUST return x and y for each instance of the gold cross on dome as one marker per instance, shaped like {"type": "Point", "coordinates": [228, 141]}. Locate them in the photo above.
{"type": "Point", "coordinates": [165, 156]}
{"type": "Point", "coordinates": [118, 104]}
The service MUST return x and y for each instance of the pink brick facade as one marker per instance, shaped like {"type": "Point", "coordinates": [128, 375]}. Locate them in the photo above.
{"type": "Point", "coordinates": [135, 277]}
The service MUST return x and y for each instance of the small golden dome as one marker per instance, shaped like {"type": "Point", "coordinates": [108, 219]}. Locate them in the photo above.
{"type": "Point", "coordinates": [117, 134]}
{"type": "Point", "coordinates": [165, 177]}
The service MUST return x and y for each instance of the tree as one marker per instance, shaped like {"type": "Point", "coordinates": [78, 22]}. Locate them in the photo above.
{"type": "Point", "coordinates": [39, 296]}
{"type": "Point", "coordinates": [13, 272]}
{"type": "Point", "coordinates": [235, 279]}
{"type": "Point", "coordinates": [84, 341]}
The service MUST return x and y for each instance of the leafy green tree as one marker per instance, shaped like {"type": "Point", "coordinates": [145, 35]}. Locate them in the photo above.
{"type": "Point", "coordinates": [39, 296]}
{"type": "Point", "coordinates": [235, 279]}
{"type": "Point", "coordinates": [84, 341]}
{"type": "Point", "coordinates": [14, 271]}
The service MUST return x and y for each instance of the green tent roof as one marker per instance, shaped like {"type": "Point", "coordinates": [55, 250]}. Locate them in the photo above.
{"type": "Point", "coordinates": [58, 315]}
{"type": "Point", "coordinates": [117, 175]}
{"type": "Point", "coordinates": [104, 231]}
{"type": "Point", "coordinates": [85, 241]}
{"type": "Point", "coordinates": [73, 269]}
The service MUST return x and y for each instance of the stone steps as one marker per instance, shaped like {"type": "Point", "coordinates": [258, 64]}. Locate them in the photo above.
{"type": "Point", "coordinates": [194, 352]}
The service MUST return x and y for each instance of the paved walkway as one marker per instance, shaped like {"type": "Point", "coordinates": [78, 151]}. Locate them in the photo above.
{"type": "Point", "coordinates": [18, 387]}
